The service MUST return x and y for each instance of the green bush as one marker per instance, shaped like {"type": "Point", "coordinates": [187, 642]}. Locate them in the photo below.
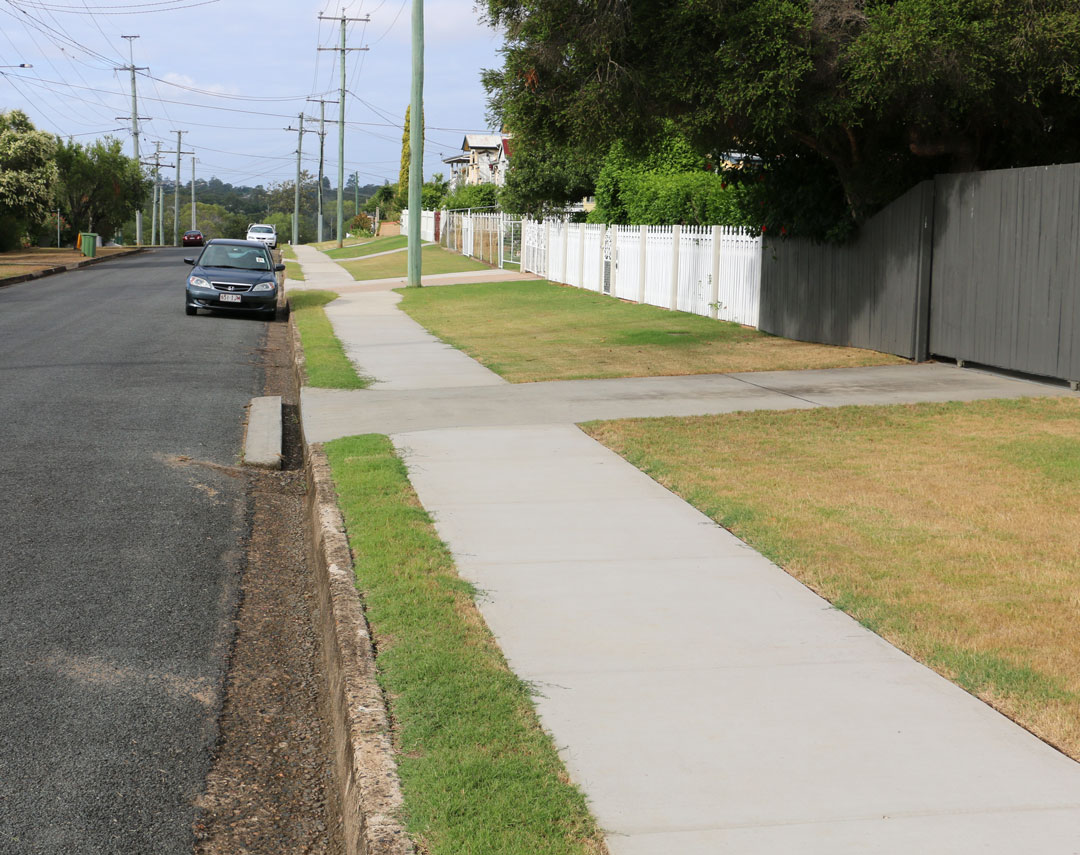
{"type": "Point", "coordinates": [473, 196]}
{"type": "Point", "coordinates": [360, 223]}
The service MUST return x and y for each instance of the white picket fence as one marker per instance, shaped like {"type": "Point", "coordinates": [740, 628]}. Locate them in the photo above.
{"type": "Point", "coordinates": [427, 224]}
{"type": "Point", "coordinates": [713, 271]}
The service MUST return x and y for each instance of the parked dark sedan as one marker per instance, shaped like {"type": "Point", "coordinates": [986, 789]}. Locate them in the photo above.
{"type": "Point", "coordinates": [233, 275]}
{"type": "Point", "coordinates": [193, 238]}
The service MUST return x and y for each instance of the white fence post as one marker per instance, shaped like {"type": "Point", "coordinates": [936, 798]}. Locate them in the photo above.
{"type": "Point", "coordinates": [581, 256]}
{"type": "Point", "coordinates": [600, 280]}
{"type": "Point", "coordinates": [676, 236]}
{"type": "Point", "coordinates": [641, 266]}
{"type": "Point", "coordinates": [613, 281]}
{"type": "Point", "coordinates": [714, 290]}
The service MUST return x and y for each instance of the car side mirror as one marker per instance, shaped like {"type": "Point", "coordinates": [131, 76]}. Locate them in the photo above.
{"type": "Point", "coordinates": [279, 267]}
{"type": "Point", "coordinates": [189, 261]}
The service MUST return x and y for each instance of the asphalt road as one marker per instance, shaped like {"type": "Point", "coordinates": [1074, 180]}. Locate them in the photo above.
{"type": "Point", "coordinates": [122, 534]}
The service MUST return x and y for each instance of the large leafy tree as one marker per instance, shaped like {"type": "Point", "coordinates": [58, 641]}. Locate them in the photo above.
{"type": "Point", "coordinates": [843, 103]}
{"type": "Point", "coordinates": [27, 176]}
{"type": "Point", "coordinates": [99, 187]}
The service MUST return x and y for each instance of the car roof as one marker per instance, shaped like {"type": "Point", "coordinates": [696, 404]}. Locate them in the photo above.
{"type": "Point", "coordinates": [234, 242]}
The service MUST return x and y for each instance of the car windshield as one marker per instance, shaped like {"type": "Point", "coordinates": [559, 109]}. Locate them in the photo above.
{"type": "Point", "coordinates": [262, 230]}
{"type": "Point", "coordinates": [239, 257]}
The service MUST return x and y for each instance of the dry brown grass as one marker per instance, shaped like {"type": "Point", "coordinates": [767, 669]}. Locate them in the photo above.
{"type": "Point", "coordinates": [950, 529]}
{"type": "Point", "coordinates": [532, 331]}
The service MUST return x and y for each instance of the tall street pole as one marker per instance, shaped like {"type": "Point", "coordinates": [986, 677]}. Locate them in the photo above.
{"type": "Point", "coordinates": [416, 142]}
{"type": "Point", "coordinates": [296, 202]}
{"type": "Point", "coordinates": [341, 123]}
{"type": "Point", "coordinates": [176, 194]}
{"type": "Point", "coordinates": [322, 147]}
{"type": "Point", "coordinates": [193, 226]}
{"type": "Point", "coordinates": [341, 144]}
{"type": "Point", "coordinates": [157, 184]}
{"type": "Point", "coordinates": [135, 134]}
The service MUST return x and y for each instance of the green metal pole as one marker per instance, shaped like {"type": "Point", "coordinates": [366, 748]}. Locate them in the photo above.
{"type": "Point", "coordinates": [416, 142]}
{"type": "Point", "coordinates": [341, 144]}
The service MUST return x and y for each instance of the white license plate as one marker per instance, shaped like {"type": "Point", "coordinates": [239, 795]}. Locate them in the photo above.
{"type": "Point", "coordinates": [229, 298]}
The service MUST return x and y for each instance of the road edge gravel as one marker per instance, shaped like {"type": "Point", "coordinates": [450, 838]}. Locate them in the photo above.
{"type": "Point", "coordinates": [369, 790]}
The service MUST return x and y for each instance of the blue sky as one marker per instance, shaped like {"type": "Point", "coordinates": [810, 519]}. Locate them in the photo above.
{"type": "Point", "coordinates": [254, 63]}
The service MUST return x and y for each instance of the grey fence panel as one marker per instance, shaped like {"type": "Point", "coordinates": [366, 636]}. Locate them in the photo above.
{"type": "Point", "coordinates": [1006, 269]}
{"type": "Point", "coordinates": [872, 292]}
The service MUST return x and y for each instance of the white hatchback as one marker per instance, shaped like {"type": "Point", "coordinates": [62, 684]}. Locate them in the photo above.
{"type": "Point", "coordinates": [263, 233]}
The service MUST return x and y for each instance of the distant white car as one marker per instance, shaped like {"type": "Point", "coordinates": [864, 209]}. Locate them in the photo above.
{"type": "Point", "coordinates": [263, 233]}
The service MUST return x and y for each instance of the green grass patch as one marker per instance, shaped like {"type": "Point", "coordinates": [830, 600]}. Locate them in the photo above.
{"type": "Point", "coordinates": [368, 247]}
{"type": "Point", "coordinates": [294, 271]}
{"type": "Point", "coordinates": [529, 331]}
{"type": "Point", "coordinates": [949, 529]}
{"type": "Point", "coordinates": [288, 252]}
{"type": "Point", "coordinates": [434, 259]}
{"type": "Point", "coordinates": [324, 357]}
{"type": "Point", "coordinates": [479, 774]}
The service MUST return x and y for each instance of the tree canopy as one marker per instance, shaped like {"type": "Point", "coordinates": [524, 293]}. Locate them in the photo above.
{"type": "Point", "coordinates": [99, 187]}
{"type": "Point", "coordinates": [27, 176]}
{"type": "Point", "coordinates": [842, 104]}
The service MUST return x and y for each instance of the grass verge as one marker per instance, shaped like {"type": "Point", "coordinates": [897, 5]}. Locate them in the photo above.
{"type": "Point", "coordinates": [435, 259]}
{"type": "Point", "coordinates": [382, 244]}
{"type": "Point", "coordinates": [949, 529]}
{"type": "Point", "coordinates": [293, 270]}
{"type": "Point", "coordinates": [530, 331]}
{"type": "Point", "coordinates": [325, 361]}
{"type": "Point", "coordinates": [478, 772]}
{"type": "Point", "coordinates": [332, 244]}
{"type": "Point", "coordinates": [288, 252]}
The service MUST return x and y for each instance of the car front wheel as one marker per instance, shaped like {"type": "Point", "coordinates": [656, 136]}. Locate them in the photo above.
{"type": "Point", "coordinates": [190, 310]}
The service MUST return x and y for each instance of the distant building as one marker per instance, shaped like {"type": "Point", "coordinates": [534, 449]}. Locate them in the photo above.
{"type": "Point", "coordinates": [484, 159]}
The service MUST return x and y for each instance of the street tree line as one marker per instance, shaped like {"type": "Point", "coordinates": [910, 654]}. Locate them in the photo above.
{"type": "Point", "coordinates": [835, 107]}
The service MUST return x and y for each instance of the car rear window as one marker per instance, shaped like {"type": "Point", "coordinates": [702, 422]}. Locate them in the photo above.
{"type": "Point", "coordinates": [242, 257]}
{"type": "Point", "coordinates": [262, 230]}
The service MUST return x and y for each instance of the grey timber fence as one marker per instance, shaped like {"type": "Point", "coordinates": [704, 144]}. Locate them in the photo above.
{"type": "Point", "coordinates": [1006, 270]}
{"type": "Point", "coordinates": [872, 292]}
{"type": "Point", "coordinates": [979, 267]}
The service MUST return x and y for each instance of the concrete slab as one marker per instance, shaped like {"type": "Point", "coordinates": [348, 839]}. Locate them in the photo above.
{"type": "Point", "coordinates": [403, 404]}
{"type": "Point", "coordinates": [757, 714]}
{"type": "Point", "coordinates": [262, 438]}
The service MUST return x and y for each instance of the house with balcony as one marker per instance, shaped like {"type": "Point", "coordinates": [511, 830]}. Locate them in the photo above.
{"type": "Point", "coordinates": [484, 159]}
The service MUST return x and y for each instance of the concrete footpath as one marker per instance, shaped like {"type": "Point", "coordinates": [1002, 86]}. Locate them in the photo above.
{"type": "Point", "coordinates": [704, 700]}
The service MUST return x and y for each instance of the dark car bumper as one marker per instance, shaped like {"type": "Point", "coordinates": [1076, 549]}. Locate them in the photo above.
{"type": "Point", "coordinates": [260, 301]}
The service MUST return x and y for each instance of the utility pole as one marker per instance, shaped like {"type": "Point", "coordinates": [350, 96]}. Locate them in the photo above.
{"type": "Point", "coordinates": [193, 226]}
{"type": "Point", "coordinates": [416, 142]}
{"type": "Point", "coordinates": [296, 202]}
{"type": "Point", "coordinates": [176, 194]}
{"type": "Point", "coordinates": [322, 145]}
{"type": "Point", "coordinates": [134, 130]}
{"type": "Point", "coordinates": [154, 217]}
{"type": "Point", "coordinates": [341, 121]}
{"type": "Point", "coordinates": [356, 190]}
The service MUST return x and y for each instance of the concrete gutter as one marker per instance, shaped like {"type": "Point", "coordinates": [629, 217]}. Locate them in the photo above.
{"type": "Point", "coordinates": [365, 772]}
{"type": "Point", "coordinates": [262, 437]}
{"type": "Point", "coordinates": [63, 268]}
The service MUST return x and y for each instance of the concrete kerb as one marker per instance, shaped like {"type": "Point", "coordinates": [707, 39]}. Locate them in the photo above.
{"type": "Point", "coordinates": [63, 268]}
{"type": "Point", "coordinates": [365, 772]}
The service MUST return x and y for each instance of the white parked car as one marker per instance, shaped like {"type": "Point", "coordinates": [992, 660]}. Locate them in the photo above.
{"type": "Point", "coordinates": [263, 233]}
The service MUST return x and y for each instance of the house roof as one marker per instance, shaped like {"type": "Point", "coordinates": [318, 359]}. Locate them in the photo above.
{"type": "Point", "coordinates": [457, 158]}
{"type": "Point", "coordinates": [481, 141]}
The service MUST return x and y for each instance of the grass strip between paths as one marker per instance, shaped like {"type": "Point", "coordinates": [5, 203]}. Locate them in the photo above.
{"type": "Point", "coordinates": [382, 244]}
{"type": "Point", "coordinates": [326, 364]}
{"type": "Point", "coordinates": [293, 270]}
{"type": "Point", "coordinates": [951, 530]}
{"type": "Point", "coordinates": [478, 773]}
{"type": "Point", "coordinates": [288, 252]}
{"type": "Point", "coordinates": [435, 259]}
{"type": "Point", "coordinates": [533, 330]}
